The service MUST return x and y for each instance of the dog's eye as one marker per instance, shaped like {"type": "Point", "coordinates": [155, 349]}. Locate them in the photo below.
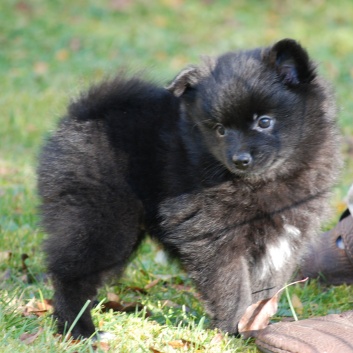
{"type": "Point", "coordinates": [264, 122]}
{"type": "Point", "coordinates": [220, 130]}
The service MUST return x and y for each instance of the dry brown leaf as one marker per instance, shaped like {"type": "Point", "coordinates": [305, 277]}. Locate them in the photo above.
{"type": "Point", "coordinates": [113, 297]}
{"type": "Point", "coordinates": [178, 344]}
{"type": "Point", "coordinates": [182, 287]}
{"type": "Point", "coordinates": [131, 307]}
{"type": "Point", "coordinates": [111, 305]}
{"type": "Point", "coordinates": [170, 304]}
{"type": "Point", "coordinates": [46, 304]}
{"type": "Point", "coordinates": [154, 350]}
{"type": "Point", "coordinates": [37, 307]}
{"type": "Point", "coordinates": [152, 283]}
{"type": "Point", "coordinates": [5, 256]}
{"type": "Point", "coordinates": [28, 338]}
{"type": "Point", "coordinates": [257, 316]}
{"type": "Point", "coordinates": [136, 289]}
{"type": "Point", "coordinates": [182, 344]}
{"type": "Point", "coordinates": [218, 338]}
{"type": "Point", "coordinates": [67, 339]}
{"type": "Point", "coordinates": [102, 346]}
{"type": "Point", "coordinates": [123, 307]}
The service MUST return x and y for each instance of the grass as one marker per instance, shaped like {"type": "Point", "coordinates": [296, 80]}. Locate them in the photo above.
{"type": "Point", "coordinates": [50, 50]}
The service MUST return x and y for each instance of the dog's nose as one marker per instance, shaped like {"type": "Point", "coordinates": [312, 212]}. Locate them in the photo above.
{"type": "Point", "coordinates": [242, 161]}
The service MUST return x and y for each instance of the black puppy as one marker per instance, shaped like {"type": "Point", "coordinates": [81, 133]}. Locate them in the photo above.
{"type": "Point", "coordinates": [229, 167]}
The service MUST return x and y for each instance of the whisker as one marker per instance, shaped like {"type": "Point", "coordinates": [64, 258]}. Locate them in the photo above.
{"type": "Point", "coordinates": [214, 171]}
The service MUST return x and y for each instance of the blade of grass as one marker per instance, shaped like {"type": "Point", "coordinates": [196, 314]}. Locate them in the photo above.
{"type": "Point", "coordinates": [76, 320]}
{"type": "Point", "coordinates": [291, 305]}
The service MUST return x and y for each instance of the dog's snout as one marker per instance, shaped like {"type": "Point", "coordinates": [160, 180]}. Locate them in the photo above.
{"type": "Point", "coordinates": [242, 161]}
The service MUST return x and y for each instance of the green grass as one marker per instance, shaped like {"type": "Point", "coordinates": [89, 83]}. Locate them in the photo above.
{"type": "Point", "coordinates": [49, 51]}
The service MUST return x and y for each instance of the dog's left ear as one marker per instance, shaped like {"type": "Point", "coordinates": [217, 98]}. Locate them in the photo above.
{"type": "Point", "coordinates": [186, 79]}
{"type": "Point", "coordinates": [291, 62]}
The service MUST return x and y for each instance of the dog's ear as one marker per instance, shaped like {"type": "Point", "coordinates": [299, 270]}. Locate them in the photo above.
{"type": "Point", "coordinates": [184, 80]}
{"type": "Point", "coordinates": [291, 62]}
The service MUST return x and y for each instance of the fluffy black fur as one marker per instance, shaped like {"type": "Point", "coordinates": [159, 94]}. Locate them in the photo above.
{"type": "Point", "coordinates": [229, 167]}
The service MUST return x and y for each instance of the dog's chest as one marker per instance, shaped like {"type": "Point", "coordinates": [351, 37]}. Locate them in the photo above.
{"type": "Point", "coordinates": [225, 213]}
{"type": "Point", "coordinates": [279, 252]}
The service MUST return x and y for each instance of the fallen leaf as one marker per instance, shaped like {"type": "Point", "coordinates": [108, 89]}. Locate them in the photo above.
{"type": "Point", "coordinates": [182, 287]}
{"type": "Point", "coordinates": [257, 316]}
{"type": "Point", "coordinates": [218, 338]}
{"type": "Point", "coordinates": [178, 344]}
{"type": "Point", "coordinates": [152, 283]}
{"type": "Point", "coordinates": [136, 289]}
{"type": "Point", "coordinates": [170, 304]}
{"type": "Point", "coordinates": [28, 338]}
{"type": "Point", "coordinates": [45, 304]}
{"type": "Point", "coordinates": [5, 256]}
{"type": "Point", "coordinates": [154, 350]}
{"type": "Point", "coordinates": [113, 297]}
{"type": "Point", "coordinates": [111, 305]}
{"type": "Point", "coordinates": [102, 346]}
{"type": "Point", "coordinates": [182, 344]}
{"type": "Point", "coordinates": [132, 307]}
{"type": "Point", "coordinates": [125, 307]}
{"type": "Point", "coordinates": [68, 339]}
{"type": "Point", "coordinates": [38, 307]}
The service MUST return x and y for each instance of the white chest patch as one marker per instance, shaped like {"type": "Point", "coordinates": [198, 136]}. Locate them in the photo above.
{"type": "Point", "coordinates": [292, 231]}
{"type": "Point", "coordinates": [279, 252]}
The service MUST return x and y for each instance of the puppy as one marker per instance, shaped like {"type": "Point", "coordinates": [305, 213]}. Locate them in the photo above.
{"type": "Point", "coordinates": [229, 167]}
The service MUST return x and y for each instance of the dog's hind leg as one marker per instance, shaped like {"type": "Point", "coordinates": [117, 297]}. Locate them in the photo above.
{"type": "Point", "coordinates": [91, 234]}
{"type": "Point", "coordinates": [92, 216]}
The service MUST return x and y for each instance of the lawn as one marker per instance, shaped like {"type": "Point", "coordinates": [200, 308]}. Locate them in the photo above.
{"type": "Point", "coordinates": [49, 52]}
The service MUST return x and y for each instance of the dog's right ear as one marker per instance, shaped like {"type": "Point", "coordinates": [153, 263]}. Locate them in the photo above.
{"type": "Point", "coordinates": [185, 79]}
{"type": "Point", "coordinates": [291, 62]}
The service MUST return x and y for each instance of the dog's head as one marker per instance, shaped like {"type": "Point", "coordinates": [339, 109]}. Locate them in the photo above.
{"type": "Point", "coordinates": [256, 111]}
